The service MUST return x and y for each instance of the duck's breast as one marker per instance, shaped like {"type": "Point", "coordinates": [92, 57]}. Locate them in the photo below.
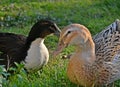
{"type": "Point", "coordinates": [37, 56]}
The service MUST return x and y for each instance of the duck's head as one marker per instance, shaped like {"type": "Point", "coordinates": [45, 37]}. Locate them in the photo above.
{"type": "Point", "coordinates": [74, 34]}
{"type": "Point", "coordinates": [43, 28]}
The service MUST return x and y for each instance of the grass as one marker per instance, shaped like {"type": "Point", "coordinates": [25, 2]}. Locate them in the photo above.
{"type": "Point", "coordinates": [18, 16]}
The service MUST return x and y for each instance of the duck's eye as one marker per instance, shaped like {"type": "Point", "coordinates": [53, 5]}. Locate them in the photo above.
{"type": "Point", "coordinates": [69, 32]}
{"type": "Point", "coordinates": [52, 27]}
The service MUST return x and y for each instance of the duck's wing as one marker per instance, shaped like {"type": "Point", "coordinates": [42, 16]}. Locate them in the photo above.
{"type": "Point", "coordinates": [9, 45]}
{"type": "Point", "coordinates": [107, 42]}
{"type": "Point", "coordinates": [109, 72]}
{"type": "Point", "coordinates": [113, 68]}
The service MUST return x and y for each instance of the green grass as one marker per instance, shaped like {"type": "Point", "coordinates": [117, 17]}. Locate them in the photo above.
{"type": "Point", "coordinates": [18, 16]}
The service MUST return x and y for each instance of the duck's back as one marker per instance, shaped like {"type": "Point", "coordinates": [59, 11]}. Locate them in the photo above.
{"type": "Point", "coordinates": [10, 45]}
{"type": "Point", "coordinates": [9, 41]}
{"type": "Point", "coordinates": [107, 42]}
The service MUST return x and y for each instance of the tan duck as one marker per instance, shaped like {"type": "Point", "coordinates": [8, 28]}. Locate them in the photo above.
{"type": "Point", "coordinates": [94, 63]}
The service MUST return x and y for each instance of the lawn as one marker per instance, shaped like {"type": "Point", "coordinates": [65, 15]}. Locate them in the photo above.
{"type": "Point", "coordinates": [18, 16]}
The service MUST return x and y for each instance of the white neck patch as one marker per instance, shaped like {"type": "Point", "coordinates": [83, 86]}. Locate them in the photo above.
{"type": "Point", "coordinates": [37, 55]}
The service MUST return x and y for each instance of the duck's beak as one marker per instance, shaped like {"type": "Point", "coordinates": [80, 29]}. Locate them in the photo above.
{"type": "Point", "coordinates": [57, 31]}
{"type": "Point", "coordinates": [59, 48]}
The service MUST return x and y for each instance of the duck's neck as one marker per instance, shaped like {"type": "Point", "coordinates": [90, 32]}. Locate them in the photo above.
{"type": "Point", "coordinates": [86, 52]}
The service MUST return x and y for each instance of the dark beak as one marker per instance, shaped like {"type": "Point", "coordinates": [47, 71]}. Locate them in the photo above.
{"type": "Point", "coordinates": [57, 32]}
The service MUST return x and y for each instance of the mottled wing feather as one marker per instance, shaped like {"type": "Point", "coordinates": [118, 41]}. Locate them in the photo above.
{"type": "Point", "coordinates": [107, 42]}
{"type": "Point", "coordinates": [107, 48]}
{"type": "Point", "coordinates": [116, 66]}
{"type": "Point", "coordinates": [113, 69]}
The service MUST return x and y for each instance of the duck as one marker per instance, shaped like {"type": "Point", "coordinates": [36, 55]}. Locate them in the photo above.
{"type": "Point", "coordinates": [96, 60]}
{"type": "Point", "coordinates": [29, 50]}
